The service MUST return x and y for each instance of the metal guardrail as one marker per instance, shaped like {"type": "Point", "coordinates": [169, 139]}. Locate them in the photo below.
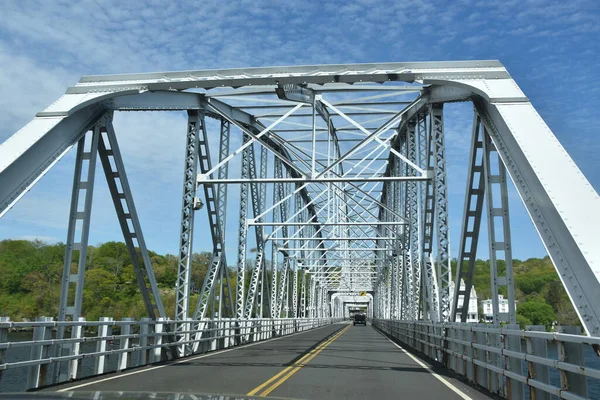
{"type": "Point", "coordinates": [50, 361]}
{"type": "Point", "coordinates": [510, 362]}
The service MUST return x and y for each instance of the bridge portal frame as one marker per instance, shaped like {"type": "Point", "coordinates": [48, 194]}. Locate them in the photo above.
{"type": "Point", "coordinates": [556, 194]}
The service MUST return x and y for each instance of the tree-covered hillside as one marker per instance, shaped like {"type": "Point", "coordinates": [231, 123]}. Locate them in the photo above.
{"type": "Point", "coordinates": [30, 274]}
{"type": "Point", "coordinates": [541, 298]}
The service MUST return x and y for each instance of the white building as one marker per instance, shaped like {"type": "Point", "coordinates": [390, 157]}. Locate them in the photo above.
{"type": "Point", "coordinates": [473, 312]}
{"type": "Point", "coordinates": [488, 315]}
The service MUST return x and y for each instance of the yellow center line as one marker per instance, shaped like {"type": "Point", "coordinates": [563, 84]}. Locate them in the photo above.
{"type": "Point", "coordinates": [292, 369]}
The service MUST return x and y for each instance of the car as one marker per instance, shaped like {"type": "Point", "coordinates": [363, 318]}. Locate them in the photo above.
{"type": "Point", "coordinates": [360, 319]}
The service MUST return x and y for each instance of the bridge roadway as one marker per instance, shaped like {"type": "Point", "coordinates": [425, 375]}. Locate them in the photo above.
{"type": "Point", "coordinates": [338, 361]}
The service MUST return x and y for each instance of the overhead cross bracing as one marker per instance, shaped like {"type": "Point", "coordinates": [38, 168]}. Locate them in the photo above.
{"type": "Point", "coordinates": [343, 184]}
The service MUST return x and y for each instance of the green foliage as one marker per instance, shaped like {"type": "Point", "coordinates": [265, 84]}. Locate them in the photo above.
{"type": "Point", "coordinates": [31, 273]}
{"type": "Point", "coordinates": [523, 321]}
{"type": "Point", "coordinates": [537, 311]}
{"type": "Point", "coordinates": [31, 276]}
{"type": "Point", "coordinates": [535, 280]}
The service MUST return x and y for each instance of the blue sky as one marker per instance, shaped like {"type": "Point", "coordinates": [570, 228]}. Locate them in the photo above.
{"type": "Point", "coordinates": [551, 48]}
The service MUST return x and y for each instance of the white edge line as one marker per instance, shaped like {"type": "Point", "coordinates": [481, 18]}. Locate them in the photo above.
{"type": "Point", "coordinates": [424, 366]}
{"type": "Point", "coordinates": [186, 359]}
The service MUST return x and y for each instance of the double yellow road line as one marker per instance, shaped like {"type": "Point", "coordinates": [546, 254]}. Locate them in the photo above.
{"type": "Point", "coordinates": [284, 375]}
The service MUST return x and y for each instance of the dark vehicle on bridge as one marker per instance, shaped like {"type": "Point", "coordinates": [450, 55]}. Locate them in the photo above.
{"type": "Point", "coordinates": [360, 319]}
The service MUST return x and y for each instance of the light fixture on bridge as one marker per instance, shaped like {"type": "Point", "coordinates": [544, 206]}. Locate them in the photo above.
{"type": "Point", "coordinates": [293, 92]}
{"type": "Point", "coordinates": [198, 204]}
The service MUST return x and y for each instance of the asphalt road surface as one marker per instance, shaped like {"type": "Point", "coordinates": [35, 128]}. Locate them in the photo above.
{"type": "Point", "coordinates": [334, 362]}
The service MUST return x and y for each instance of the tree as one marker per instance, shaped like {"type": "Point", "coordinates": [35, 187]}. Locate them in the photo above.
{"type": "Point", "coordinates": [523, 321]}
{"type": "Point", "coordinates": [537, 311]}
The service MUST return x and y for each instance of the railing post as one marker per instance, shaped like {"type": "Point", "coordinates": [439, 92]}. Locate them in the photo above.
{"type": "Point", "coordinates": [537, 347]}
{"type": "Point", "coordinates": [514, 388]}
{"type": "Point", "coordinates": [103, 331]}
{"type": "Point", "coordinates": [452, 347]}
{"type": "Point", "coordinates": [213, 341]}
{"type": "Point", "coordinates": [260, 329]}
{"type": "Point", "coordinates": [572, 353]}
{"type": "Point", "coordinates": [143, 342]}
{"type": "Point", "coordinates": [156, 353]}
{"type": "Point", "coordinates": [36, 374]}
{"type": "Point", "coordinates": [493, 340]}
{"type": "Point", "coordinates": [124, 344]}
{"type": "Point", "coordinates": [228, 332]}
{"type": "Point", "coordinates": [225, 333]}
{"type": "Point", "coordinates": [3, 339]}
{"type": "Point", "coordinates": [481, 373]}
{"type": "Point", "coordinates": [74, 365]}
{"type": "Point", "coordinates": [438, 332]}
{"type": "Point", "coordinates": [232, 332]}
{"type": "Point", "coordinates": [468, 351]}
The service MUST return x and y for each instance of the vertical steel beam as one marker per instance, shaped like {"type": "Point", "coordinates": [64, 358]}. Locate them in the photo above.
{"type": "Point", "coordinates": [469, 238]}
{"type": "Point", "coordinates": [275, 252]}
{"type": "Point", "coordinates": [223, 173]}
{"type": "Point", "coordinates": [311, 297]}
{"type": "Point", "coordinates": [218, 259]}
{"type": "Point", "coordinates": [427, 221]}
{"type": "Point", "coordinates": [407, 266]}
{"type": "Point", "coordinates": [257, 206]}
{"type": "Point", "coordinates": [441, 210]}
{"type": "Point", "coordinates": [283, 284]}
{"type": "Point", "coordinates": [81, 184]}
{"type": "Point", "coordinates": [392, 201]}
{"type": "Point", "coordinates": [184, 264]}
{"type": "Point", "coordinates": [497, 180]}
{"type": "Point", "coordinates": [412, 240]}
{"type": "Point", "coordinates": [303, 296]}
{"type": "Point", "coordinates": [243, 229]}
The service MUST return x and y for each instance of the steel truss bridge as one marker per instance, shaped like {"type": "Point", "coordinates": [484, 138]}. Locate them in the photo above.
{"type": "Point", "coordinates": [343, 203]}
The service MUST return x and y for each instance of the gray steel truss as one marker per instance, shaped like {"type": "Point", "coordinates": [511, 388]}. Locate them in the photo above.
{"type": "Point", "coordinates": [243, 230]}
{"type": "Point", "coordinates": [359, 155]}
{"type": "Point", "coordinates": [441, 208]}
{"type": "Point", "coordinates": [75, 274]}
{"type": "Point", "coordinates": [218, 259]}
{"type": "Point", "coordinates": [469, 237]}
{"type": "Point", "coordinates": [495, 186]}
{"type": "Point", "coordinates": [187, 224]}
{"type": "Point", "coordinates": [258, 193]}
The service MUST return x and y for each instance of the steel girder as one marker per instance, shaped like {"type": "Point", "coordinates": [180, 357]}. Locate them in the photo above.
{"type": "Point", "coordinates": [218, 256]}
{"type": "Point", "coordinates": [412, 236]}
{"type": "Point", "coordinates": [258, 193]}
{"type": "Point", "coordinates": [85, 184]}
{"type": "Point", "coordinates": [187, 225]}
{"type": "Point", "coordinates": [495, 186]}
{"type": "Point", "coordinates": [441, 210]}
{"type": "Point", "coordinates": [469, 238]}
{"type": "Point", "coordinates": [430, 284]}
{"type": "Point", "coordinates": [243, 229]}
{"type": "Point", "coordinates": [223, 173]}
{"type": "Point", "coordinates": [72, 274]}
